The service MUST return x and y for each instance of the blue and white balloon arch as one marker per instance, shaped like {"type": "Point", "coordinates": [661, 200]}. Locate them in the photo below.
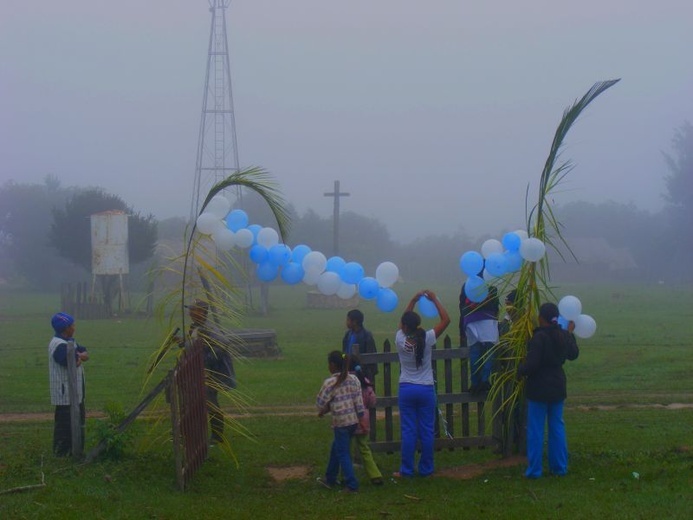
{"type": "Point", "coordinates": [336, 276]}
{"type": "Point", "coordinates": [273, 259]}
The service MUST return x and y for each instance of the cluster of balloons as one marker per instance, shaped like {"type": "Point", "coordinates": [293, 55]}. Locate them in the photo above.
{"type": "Point", "coordinates": [570, 309]}
{"type": "Point", "coordinates": [498, 258]}
{"type": "Point", "coordinates": [272, 259]}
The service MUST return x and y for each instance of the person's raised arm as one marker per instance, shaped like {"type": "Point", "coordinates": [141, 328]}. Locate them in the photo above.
{"type": "Point", "coordinates": [444, 321]}
{"type": "Point", "coordinates": [411, 304]}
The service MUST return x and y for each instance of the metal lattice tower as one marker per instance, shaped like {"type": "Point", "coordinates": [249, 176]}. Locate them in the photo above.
{"type": "Point", "coordinates": [217, 148]}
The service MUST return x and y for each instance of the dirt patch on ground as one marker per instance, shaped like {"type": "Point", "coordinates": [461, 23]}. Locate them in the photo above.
{"type": "Point", "coordinates": [470, 471]}
{"type": "Point", "coordinates": [288, 473]}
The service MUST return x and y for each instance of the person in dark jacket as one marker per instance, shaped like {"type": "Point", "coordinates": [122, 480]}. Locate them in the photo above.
{"type": "Point", "coordinates": [357, 335]}
{"type": "Point", "coordinates": [547, 350]}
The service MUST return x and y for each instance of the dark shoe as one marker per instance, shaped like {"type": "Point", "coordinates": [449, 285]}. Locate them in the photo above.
{"type": "Point", "coordinates": [349, 490]}
{"type": "Point", "coordinates": [377, 481]}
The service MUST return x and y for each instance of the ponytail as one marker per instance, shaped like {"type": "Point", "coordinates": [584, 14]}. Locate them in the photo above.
{"type": "Point", "coordinates": [341, 361]}
{"type": "Point", "coordinates": [411, 324]}
{"type": "Point", "coordinates": [420, 336]}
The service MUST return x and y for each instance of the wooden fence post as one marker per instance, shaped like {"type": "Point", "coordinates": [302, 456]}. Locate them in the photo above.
{"type": "Point", "coordinates": [73, 392]}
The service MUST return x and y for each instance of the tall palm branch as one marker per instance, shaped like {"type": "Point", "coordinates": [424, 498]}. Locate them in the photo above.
{"type": "Point", "coordinates": [533, 284]}
{"type": "Point", "coordinates": [204, 272]}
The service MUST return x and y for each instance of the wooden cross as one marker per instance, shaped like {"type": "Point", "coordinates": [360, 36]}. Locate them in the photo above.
{"type": "Point", "coordinates": [336, 194]}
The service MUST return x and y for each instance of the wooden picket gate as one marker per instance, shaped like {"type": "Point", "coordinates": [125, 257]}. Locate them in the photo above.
{"type": "Point", "coordinates": [189, 413]}
{"type": "Point", "coordinates": [452, 390]}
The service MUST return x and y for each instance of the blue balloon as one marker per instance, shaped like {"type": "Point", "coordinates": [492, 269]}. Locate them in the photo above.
{"type": "Point", "coordinates": [427, 307]}
{"type": "Point", "coordinates": [237, 219]}
{"type": "Point", "coordinates": [258, 254]}
{"type": "Point", "coordinates": [292, 273]}
{"type": "Point", "coordinates": [335, 264]}
{"type": "Point", "coordinates": [255, 229]}
{"type": "Point", "coordinates": [563, 322]}
{"type": "Point", "coordinates": [266, 271]}
{"type": "Point", "coordinates": [475, 289]}
{"type": "Point", "coordinates": [496, 264]}
{"type": "Point", "coordinates": [471, 263]}
{"type": "Point", "coordinates": [299, 253]}
{"type": "Point", "coordinates": [511, 241]}
{"type": "Point", "coordinates": [513, 261]}
{"type": "Point", "coordinates": [368, 288]}
{"type": "Point", "coordinates": [280, 254]}
{"type": "Point", "coordinates": [352, 272]}
{"type": "Point", "coordinates": [387, 299]}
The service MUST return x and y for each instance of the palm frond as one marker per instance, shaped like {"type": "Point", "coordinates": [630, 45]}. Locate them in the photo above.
{"type": "Point", "coordinates": [533, 283]}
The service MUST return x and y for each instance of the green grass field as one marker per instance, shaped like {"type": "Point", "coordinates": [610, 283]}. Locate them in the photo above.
{"type": "Point", "coordinates": [630, 452]}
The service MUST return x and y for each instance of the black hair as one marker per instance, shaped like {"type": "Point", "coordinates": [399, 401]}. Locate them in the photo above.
{"type": "Point", "coordinates": [411, 323]}
{"type": "Point", "coordinates": [356, 316]}
{"type": "Point", "coordinates": [510, 298]}
{"type": "Point", "coordinates": [341, 361]}
{"type": "Point", "coordinates": [549, 313]}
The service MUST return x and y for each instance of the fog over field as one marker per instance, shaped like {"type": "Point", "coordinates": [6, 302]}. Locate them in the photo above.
{"type": "Point", "coordinates": [434, 116]}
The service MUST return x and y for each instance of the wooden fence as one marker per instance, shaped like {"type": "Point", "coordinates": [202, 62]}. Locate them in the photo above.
{"type": "Point", "coordinates": [462, 417]}
{"type": "Point", "coordinates": [76, 299]}
{"type": "Point", "coordinates": [189, 414]}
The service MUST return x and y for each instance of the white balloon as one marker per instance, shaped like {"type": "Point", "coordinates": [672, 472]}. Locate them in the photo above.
{"type": "Point", "coordinates": [329, 282]}
{"type": "Point", "coordinates": [314, 261]}
{"type": "Point", "coordinates": [219, 206]}
{"type": "Point", "coordinates": [244, 238]}
{"type": "Point", "coordinates": [491, 246]}
{"type": "Point", "coordinates": [311, 277]}
{"type": "Point", "coordinates": [387, 274]}
{"type": "Point", "coordinates": [267, 237]}
{"type": "Point", "coordinates": [532, 249]}
{"type": "Point", "coordinates": [570, 307]}
{"type": "Point", "coordinates": [224, 238]}
{"type": "Point", "coordinates": [346, 290]}
{"type": "Point", "coordinates": [585, 326]}
{"type": "Point", "coordinates": [521, 233]}
{"type": "Point", "coordinates": [208, 223]}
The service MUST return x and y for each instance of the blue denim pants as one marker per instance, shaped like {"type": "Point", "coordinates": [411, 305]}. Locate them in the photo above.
{"type": "Point", "coordinates": [417, 413]}
{"type": "Point", "coordinates": [481, 362]}
{"type": "Point", "coordinates": [340, 457]}
{"type": "Point", "coordinates": [537, 416]}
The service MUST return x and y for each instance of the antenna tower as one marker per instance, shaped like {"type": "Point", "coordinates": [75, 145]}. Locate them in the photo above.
{"type": "Point", "coordinates": [217, 148]}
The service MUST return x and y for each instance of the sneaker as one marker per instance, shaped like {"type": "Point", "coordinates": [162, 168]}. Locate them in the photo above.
{"type": "Point", "coordinates": [349, 490]}
{"type": "Point", "coordinates": [377, 481]}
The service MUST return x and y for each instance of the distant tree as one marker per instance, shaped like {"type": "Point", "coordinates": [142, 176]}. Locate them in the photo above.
{"type": "Point", "coordinates": [258, 211]}
{"type": "Point", "coordinates": [172, 228]}
{"type": "Point", "coordinates": [680, 182]}
{"type": "Point", "coordinates": [680, 197]}
{"type": "Point", "coordinates": [622, 225]}
{"type": "Point", "coordinates": [25, 214]}
{"type": "Point", "coordinates": [434, 258]}
{"type": "Point", "coordinates": [70, 231]}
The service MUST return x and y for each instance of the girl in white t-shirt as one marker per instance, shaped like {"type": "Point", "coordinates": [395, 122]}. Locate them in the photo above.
{"type": "Point", "coordinates": [417, 396]}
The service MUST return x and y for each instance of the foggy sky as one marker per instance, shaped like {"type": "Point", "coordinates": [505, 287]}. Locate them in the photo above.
{"type": "Point", "coordinates": [435, 116]}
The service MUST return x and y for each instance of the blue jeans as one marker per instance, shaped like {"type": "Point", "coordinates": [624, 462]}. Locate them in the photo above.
{"type": "Point", "coordinates": [340, 456]}
{"type": "Point", "coordinates": [537, 415]}
{"type": "Point", "coordinates": [417, 412]}
{"type": "Point", "coordinates": [481, 362]}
